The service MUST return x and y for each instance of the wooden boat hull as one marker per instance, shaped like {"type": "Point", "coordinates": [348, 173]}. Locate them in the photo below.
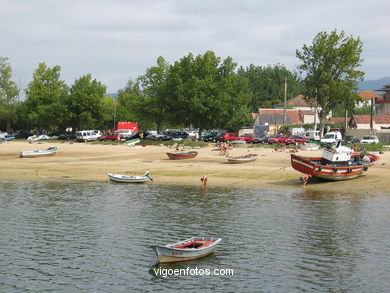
{"type": "Point", "coordinates": [127, 179]}
{"type": "Point", "coordinates": [39, 153]}
{"type": "Point", "coordinates": [169, 253]}
{"type": "Point", "coordinates": [312, 166]}
{"type": "Point", "coordinates": [182, 156]}
{"type": "Point", "coordinates": [241, 159]}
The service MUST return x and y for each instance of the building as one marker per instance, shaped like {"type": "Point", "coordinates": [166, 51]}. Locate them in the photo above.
{"type": "Point", "coordinates": [363, 122]}
{"type": "Point", "coordinates": [382, 105]}
{"type": "Point", "coordinates": [367, 96]}
{"type": "Point", "coordinates": [273, 118]}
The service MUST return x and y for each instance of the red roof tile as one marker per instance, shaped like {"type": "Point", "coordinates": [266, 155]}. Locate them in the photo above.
{"type": "Point", "coordinates": [365, 119]}
{"type": "Point", "coordinates": [368, 95]}
{"type": "Point", "coordinates": [299, 101]}
{"type": "Point", "coordinates": [336, 119]}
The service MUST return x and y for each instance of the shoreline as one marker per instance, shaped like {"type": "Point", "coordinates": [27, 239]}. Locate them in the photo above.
{"type": "Point", "coordinates": [91, 162]}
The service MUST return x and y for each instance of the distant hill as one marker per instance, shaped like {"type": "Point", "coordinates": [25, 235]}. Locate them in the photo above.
{"type": "Point", "coordinates": [373, 85]}
{"type": "Point", "coordinates": [114, 95]}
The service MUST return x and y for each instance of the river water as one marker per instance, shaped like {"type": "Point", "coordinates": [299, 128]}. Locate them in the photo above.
{"type": "Point", "coordinates": [96, 237]}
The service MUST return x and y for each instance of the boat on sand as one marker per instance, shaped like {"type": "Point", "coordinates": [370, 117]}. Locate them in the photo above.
{"type": "Point", "coordinates": [336, 163]}
{"type": "Point", "coordinates": [182, 156]}
{"type": "Point", "coordinates": [186, 250]}
{"type": "Point", "coordinates": [129, 179]}
{"type": "Point", "coordinates": [242, 159]}
{"type": "Point", "coordinates": [39, 153]}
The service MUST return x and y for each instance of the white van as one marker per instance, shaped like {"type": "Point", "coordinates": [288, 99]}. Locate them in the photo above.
{"type": "Point", "coordinates": [88, 135]}
{"type": "Point", "coordinates": [313, 135]}
{"type": "Point", "coordinates": [332, 137]}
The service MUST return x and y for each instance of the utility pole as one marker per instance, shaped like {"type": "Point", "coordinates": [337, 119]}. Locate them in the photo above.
{"type": "Point", "coordinates": [285, 101]}
{"type": "Point", "coordinates": [372, 116]}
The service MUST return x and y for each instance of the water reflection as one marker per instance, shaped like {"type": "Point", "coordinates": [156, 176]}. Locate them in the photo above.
{"type": "Point", "coordinates": [61, 236]}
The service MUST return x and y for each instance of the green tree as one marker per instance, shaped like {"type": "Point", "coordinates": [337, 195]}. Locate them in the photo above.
{"type": "Point", "coordinates": [206, 93]}
{"type": "Point", "coordinates": [46, 94]}
{"type": "Point", "coordinates": [266, 84]}
{"type": "Point", "coordinates": [330, 66]}
{"type": "Point", "coordinates": [9, 92]}
{"type": "Point", "coordinates": [153, 105]}
{"type": "Point", "coordinates": [85, 103]}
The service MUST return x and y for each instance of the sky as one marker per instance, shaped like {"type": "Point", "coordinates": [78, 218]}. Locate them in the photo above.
{"type": "Point", "coordinates": [117, 40]}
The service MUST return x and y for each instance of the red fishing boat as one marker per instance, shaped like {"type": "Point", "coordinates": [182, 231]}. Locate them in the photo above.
{"type": "Point", "coordinates": [335, 164]}
{"type": "Point", "coordinates": [182, 156]}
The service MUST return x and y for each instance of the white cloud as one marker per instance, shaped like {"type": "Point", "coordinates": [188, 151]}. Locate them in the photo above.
{"type": "Point", "coordinates": [118, 40]}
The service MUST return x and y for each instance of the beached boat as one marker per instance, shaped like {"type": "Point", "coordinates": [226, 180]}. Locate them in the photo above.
{"type": "Point", "coordinates": [186, 250]}
{"type": "Point", "coordinates": [310, 147]}
{"type": "Point", "coordinates": [242, 159]}
{"type": "Point", "coordinates": [130, 179]}
{"type": "Point", "coordinates": [39, 153]}
{"type": "Point", "coordinates": [335, 164]}
{"type": "Point", "coordinates": [182, 156]}
{"type": "Point", "coordinates": [132, 142]}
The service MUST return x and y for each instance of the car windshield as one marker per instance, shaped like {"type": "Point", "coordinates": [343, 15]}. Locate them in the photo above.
{"type": "Point", "coordinates": [368, 137]}
{"type": "Point", "coordinates": [329, 136]}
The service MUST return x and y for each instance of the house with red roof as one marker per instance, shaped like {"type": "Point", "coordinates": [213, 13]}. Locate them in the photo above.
{"type": "Point", "coordinates": [382, 105]}
{"type": "Point", "coordinates": [366, 98]}
{"type": "Point", "coordinates": [363, 122]}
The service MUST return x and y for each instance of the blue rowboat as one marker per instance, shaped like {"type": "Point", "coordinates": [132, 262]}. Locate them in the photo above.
{"type": "Point", "coordinates": [129, 179]}
{"type": "Point", "coordinates": [39, 153]}
{"type": "Point", "coordinates": [186, 250]}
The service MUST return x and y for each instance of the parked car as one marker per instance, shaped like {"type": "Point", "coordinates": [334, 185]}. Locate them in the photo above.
{"type": "Point", "coordinates": [261, 139]}
{"type": "Point", "coordinates": [88, 135]}
{"type": "Point", "coordinates": [332, 137]}
{"type": "Point", "coordinates": [177, 134]}
{"type": "Point", "coordinates": [313, 135]}
{"type": "Point", "coordinates": [227, 136]}
{"type": "Point", "coordinates": [351, 139]}
{"type": "Point", "coordinates": [369, 139]}
{"type": "Point", "coordinates": [21, 134]}
{"type": "Point", "coordinates": [153, 135]}
{"type": "Point", "coordinates": [278, 139]}
{"type": "Point", "coordinates": [67, 136]}
{"type": "Point", "coordinates": [137, 134]}
{"type": "Point", "coordinates": [54, 135]}
{"type": "Point", "coordinates": [296, 140]}
{"type": "Point", "coordinates": [210, 136]}
{"type": "Point", "coordinates": [113, 136]}
{"type": "Point", "coordinates": [248, 137]}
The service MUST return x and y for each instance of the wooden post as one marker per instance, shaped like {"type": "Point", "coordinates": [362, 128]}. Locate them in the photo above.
{"type": "Point", "coordinates": [285, 101]}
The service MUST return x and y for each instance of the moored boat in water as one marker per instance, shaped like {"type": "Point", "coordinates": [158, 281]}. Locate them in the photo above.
{"type": "Point", "coordinates": [335, 164]}
{"type": "Point", "coordinates": [182, 156]}
{"type": "Point", "coordinates": [39, 153]}
{"type": "Point", "coordinates": [242, 159]}
{"type": "Point", "coordinates": [186, 250]}
{"type": "Point", "coordinates": [129, 179]}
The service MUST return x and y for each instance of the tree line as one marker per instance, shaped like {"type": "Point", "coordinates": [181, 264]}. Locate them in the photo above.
{"type": "Point", "coordinates": [203, 91]}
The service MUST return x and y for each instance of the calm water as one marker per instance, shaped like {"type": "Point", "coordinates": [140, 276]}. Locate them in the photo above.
{"type": "Point", "coordinates": [96, 237]}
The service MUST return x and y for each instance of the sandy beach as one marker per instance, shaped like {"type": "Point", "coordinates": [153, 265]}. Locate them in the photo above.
{"type": "Point", "coordinates": [91, 162]}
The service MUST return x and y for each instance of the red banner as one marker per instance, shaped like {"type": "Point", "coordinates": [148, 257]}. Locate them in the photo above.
{"type": "Point", "coordinates": [133, 126]}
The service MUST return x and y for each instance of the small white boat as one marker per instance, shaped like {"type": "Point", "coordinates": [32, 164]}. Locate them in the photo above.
{"type": "Point", "coordinates": [310, 147]}
{"type": "Point", "coordinates": [186, 250]}
{"type": "Point", "coordinates": [242, 159]}
{"type": "Point", "coordinates": [132, 142]}
{"type": "Point", "coordinates": [129, 179]}
{"type": "Point", "coordinates": [39, 153]}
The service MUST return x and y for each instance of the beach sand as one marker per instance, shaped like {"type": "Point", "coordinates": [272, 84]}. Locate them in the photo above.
{"type": "Point", "coordinates": [92, 162]}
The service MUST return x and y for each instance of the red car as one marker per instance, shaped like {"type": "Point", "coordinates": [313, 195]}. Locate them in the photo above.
{"type": "Point", "coordinates": [296, 139]}
{"type": "Point", "coordinates": [226, 137]}
{"type": "Point", "coordinates": [248, 137]}
{"type": "Point", "coordinates": [279, 139]}
{"type": "Point", "coordinates": [110, 136]}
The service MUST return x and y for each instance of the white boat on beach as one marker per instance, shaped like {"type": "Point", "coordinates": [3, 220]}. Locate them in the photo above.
{"type": "Point", "coordinates": [310, 147]}
{"type": "Point", "coordinates": [129, 179]}
{"type": "Point", "coordinates": [39, 153]}
{"type": "Point", "coordinates": [242, 159]}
